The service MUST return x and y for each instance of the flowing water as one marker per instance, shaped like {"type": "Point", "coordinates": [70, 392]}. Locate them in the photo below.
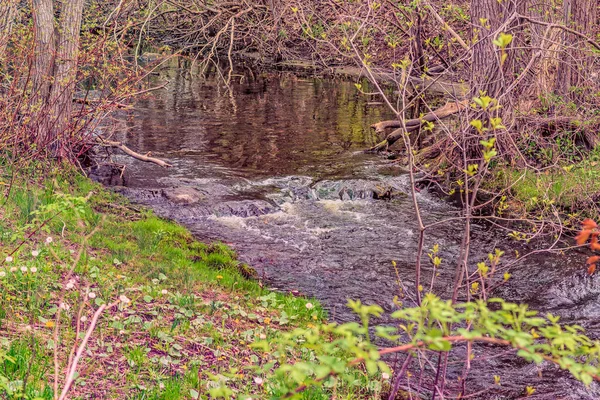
{"type": "Point", "coordinates": [276, 171]}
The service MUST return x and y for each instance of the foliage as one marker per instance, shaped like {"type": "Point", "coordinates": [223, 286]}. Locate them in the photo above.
{"type": "Point", "coordinates": [436, 325]}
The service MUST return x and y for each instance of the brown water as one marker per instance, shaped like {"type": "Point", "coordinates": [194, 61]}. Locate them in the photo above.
{"type": "Point", "coordinates": [283, 180]}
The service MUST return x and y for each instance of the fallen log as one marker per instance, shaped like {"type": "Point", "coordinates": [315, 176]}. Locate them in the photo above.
{"type": "Point", "coordinates": [128, 151]}
{"type": "Point", "coordinates": [393, 138]}
{"type": "Point", "coordinates": [441, 113]}
{"type": "Point", "coordinates": [405, 127]}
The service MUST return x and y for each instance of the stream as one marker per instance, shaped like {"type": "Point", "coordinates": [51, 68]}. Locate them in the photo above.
{"type": "Point", "coordinates": [277, 172]}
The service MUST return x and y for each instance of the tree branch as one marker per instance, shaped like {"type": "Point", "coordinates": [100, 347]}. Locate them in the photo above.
{"type": "Point", "coordinates": [128, 151]}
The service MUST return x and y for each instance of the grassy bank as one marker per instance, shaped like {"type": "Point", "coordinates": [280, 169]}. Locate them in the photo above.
{"type": "Point", "coordinates": [569, 190]}
{"type": "Point", "coordinates": [179, 317]}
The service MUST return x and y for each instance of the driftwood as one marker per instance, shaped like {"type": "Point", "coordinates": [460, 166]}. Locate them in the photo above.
{"type": "Point", "coordinates": [412, 125]}
{"type": "Point", "coordinates": [128, 151]}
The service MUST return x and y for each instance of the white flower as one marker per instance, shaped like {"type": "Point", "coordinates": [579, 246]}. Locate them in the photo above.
{"type": "Point", "coordinates": [92, 295]}
{"type": "Point", "coordinates": [23, 269]}
{"type": "Point", "coordinates": [70, 285]}
{"type": "Point", "coordinates": [33, 269]}
{"type": "Point", "coordinates": [161, 385]}
{"type": "Point", "coordinates": [124, 299]}
{"type": "Point", "coordinates": [71, 251]}
{"type": "Point", "coordinates": [262, 336]}
{"type": "Point", "coordinates": [2, 274]}
{"type": "Point", "coordinates": [35, 253]}
{"type": "Point", "coordinates": [13, 269]}
{"type": "Point", "coordinates": [121, 332]}
{"type": "Point", "coordinates": [8, 259]}
{"type": "Point", "coordinates": [65, 306]}
{"type": "Point", "coordinates": [49, 240]}
{"type": "Point", "coordinates": [258, 380]}
{"type": "Point", "coordinates": [83, 319]}
{"type": "Point", "coordinates": [164, 291]}
{"type": "Point", "coordinates": [385, 376]}
{"type": "Point", "coordinates": [309, 306]}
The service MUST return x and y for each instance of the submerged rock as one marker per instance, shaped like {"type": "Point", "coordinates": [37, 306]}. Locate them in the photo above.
{"type": "Point", "coordinates": [184, 195]}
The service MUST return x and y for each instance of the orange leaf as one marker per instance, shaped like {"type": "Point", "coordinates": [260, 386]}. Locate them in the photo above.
{"type": "Point", "coordinates": [593, 260]}
{"type": "Point", "coordinates": [591, 269]}
{"type": "Point", "coordinates": [583, 236]}
{"type": "Point", "coordinates": [594, 245]}
{"type": "Point", "coordinates": [589, 224]}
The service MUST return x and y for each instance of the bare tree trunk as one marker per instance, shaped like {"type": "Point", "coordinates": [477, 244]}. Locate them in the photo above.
{"type": "Point", "coordinates": [55, 70]}
{"type": "Point", "coordinates": [67, 54]}
{"type": "Point", "coordinates": [43, 63]}
{"type": "Point", "coordinates": [579, 15]}
{"type": "Point", "coordinates": [7, 17]}
{"type": "Point", "coordinates": [488, 72]}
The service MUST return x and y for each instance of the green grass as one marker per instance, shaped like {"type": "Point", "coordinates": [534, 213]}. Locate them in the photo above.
{"type": "Point", "coordinates": [570, 188]}
{"type": "Point", "coordinates": [193, 316]}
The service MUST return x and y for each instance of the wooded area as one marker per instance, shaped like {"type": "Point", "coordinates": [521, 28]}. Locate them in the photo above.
{"type": "Point", "coordinates": [487, 96]}
{"type": "Point", "coordinates": [522, 54]}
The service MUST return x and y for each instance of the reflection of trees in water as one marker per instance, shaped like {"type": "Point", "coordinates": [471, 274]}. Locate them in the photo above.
{"type": "Point", "coordinates": [278, 123]}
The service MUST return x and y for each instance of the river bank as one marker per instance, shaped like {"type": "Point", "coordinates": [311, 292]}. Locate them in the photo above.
{"type": "Point", "coordinates": [180, 317]}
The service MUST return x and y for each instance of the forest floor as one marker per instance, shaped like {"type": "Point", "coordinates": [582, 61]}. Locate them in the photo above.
{"type": "Point", "coordinates": [180, 318]}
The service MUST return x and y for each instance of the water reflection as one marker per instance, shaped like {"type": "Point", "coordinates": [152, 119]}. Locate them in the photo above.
{"type": "Point", "coordinates": [276, 124]}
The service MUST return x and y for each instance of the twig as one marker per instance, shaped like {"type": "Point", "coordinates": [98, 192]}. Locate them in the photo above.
{"type": "Point", "coordinates": [61, 301]}
{"type": "Point", "coordinates": [82, 346]}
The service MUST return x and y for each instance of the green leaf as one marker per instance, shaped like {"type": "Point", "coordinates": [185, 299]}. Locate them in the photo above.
{"type": "Point", "coordinates": [371, 367]}
{"type": "Point", "coordinates": [440, 345]}
{"type": "Point", "coordinates": [321, 371]}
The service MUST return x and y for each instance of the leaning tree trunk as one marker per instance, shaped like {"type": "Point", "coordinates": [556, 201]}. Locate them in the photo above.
{"type": "Point", "coordinates": [579, 15]}
{"type": "Point", "coordinates": [67, 54]}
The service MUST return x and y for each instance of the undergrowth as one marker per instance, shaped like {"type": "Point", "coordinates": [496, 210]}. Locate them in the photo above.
{"type": "Point", "coordinates": [571, 189]}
